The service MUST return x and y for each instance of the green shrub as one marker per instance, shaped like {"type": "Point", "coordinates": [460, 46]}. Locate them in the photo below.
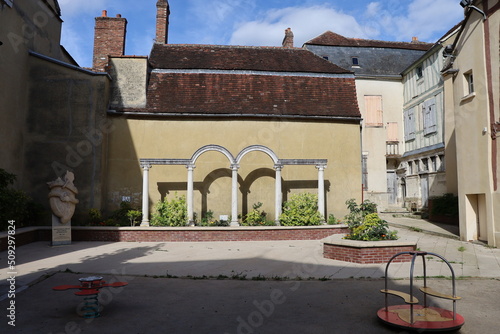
{"type": "Point", "coordinates": [170, 213]}
{"type": "Point", "coordinates": [332, 220]}
{"type": "Point", "coordinates": [445, 205]}
{"type": "Point", "coordinates": [133, 216]}
{"type": "Point", "coordinates": [95, 217]}
{"type": "Point", "coordinates": [301, 210]}
{"type": "Point", "coordinates": [16, 205]}
{"type": "Point", "coordinates": [208, 220]}
{"type": "Point", "coordinates": [372, 229]}
{"type": "Point", "coordinates": [358, 212]}
{"type": "Point", "coordinates": [256, 217]}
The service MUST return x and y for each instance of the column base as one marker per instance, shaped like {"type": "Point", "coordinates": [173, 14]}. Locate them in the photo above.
{"type": "Point", "coordinates": [145, 223]}
{"type": "Point", "coordinates": [234, 223]}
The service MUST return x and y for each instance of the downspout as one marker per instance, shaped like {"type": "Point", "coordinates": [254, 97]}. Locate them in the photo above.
{"type": "Point", "coordinates": [491, 102]}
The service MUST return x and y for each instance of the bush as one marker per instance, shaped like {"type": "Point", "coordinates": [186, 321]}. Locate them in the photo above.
{"type": "Point", "coordinates": [16, 205]}
{"type": "Point", "coordinates": [372, 229]}
{"type": "Point", "coordinates": [208, 220]}
{"type": "Point", "coordinates": [256, 217]}
{"type": "Point", "coordinates": [170, 213]}
{"type": "Point", "coordinates": [332, 220]}
{"type": "Point", "coordinates": [358, 212]}
{"type": "Point", "coordinates": [301, 210]}
{"type": "Point", "coordinates": [445, 205]}
{"type": "Point", "coordinates": [133, 216]}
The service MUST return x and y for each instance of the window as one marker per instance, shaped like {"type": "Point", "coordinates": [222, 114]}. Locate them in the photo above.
{"type": "Point", "coordinates": [374, 114]}
{"type": "Point", "coordinates": [434, 164]}
{"type": "Point", "coordinates": [410, 167]}
{"type": "Point", "coordinates": [420, 72]}
{"type": "Point", "coordinates": [409, 123]}
{"type": "Point", "coordinates": [469, 80]}
{"type": "Point", "coordinates": [355, 61]}
{"type": "Point", "coordinates": [364, 168]}
{"type": "Point", "coordinates": [392, 131]}
{"type": "Point", "coordinates": [325, 57]}
{"type": "Point", "coordinates": [429, 116]}
{"type": "Point", "coordinates": [425, 164]}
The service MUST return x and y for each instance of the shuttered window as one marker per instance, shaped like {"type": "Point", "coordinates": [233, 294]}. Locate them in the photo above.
{"type": "Point", "coordinates": [392, 131]}
{"type": "Point", "coordinates": [373, 107]}
{"type": "Point", "coordinates": [409, 122]}
{"type": "Point", "coordinates": [429, 116]}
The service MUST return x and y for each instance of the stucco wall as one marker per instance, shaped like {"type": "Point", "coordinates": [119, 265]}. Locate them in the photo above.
{"type": "Point", "coordinates": [129, 82]}
{"type": "Point", "coordinates": [27, 25]}
{"type": "Point", "coordinates": [66, 130]}
{"type": "Point", "coordinates": [133, 139]}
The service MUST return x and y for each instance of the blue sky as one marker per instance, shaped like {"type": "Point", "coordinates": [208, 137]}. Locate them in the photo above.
{"type": "Point", "coordinates": [258, 22]}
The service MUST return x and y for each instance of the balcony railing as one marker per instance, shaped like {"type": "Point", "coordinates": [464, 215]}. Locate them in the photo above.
{"type": "Point", "coordinates": [392, 149]}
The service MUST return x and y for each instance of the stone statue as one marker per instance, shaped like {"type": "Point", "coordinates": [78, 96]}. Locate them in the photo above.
{"type": "Point", "coordinates": [62, 197]}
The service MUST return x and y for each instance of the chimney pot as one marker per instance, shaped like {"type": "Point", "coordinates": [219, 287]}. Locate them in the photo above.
{"type": "Point", "coordinates": [104, 13]}
{"type": "Point", "coordinates": [414, 39]}
{"type": "Point", "coordinates": [119, 15]}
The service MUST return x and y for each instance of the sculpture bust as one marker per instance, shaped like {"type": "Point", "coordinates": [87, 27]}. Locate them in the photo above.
{"type": "Point", "coordinates": [62, 197]}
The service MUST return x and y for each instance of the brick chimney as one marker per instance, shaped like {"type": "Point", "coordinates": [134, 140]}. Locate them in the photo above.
{"type": "Point", "coordinates": [109, 39]}
{"type": "Point", "coordinates": [288, 40]}
{"type": "Point", "coordinates": [162, 15]}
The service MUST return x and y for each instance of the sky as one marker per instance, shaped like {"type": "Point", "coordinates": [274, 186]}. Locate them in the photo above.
{"type": "Point", "coordinates": [258, 22]}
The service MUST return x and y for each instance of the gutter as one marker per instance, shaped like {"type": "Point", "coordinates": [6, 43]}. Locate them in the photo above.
{"type": "Point", "coordinates": [355, 119]}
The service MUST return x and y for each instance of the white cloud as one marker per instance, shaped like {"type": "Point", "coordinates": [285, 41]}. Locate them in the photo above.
{"type": "Point", "coordinates": [306, 23]}
{"type": "Point", "coordinates": [427, 19]}
{"type": "Point", "coordinates": [70, 8]}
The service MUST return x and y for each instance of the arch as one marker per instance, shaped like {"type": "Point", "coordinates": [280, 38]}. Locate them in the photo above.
{"type": "Point", "coordinates": [260, 148]}
{"type": "Point", "coordinates": [207, 148]}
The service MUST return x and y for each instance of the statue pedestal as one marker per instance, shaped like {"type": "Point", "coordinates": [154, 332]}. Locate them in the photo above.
{"type": "Point", "coordinates": [61, 233]}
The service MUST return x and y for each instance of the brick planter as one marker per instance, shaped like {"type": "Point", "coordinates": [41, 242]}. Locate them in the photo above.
{"type": "Point", "coordinates": [336, 248]}
{"type": "Point", "coordinates": [178, 234]}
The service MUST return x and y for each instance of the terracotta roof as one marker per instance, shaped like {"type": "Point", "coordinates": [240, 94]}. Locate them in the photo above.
{"type": "Point", "coordinates": [251, 95]}
{"type": "Point", "coordinates": [332, 39]}
{"type": "Point", "coordinates": [217, 57]}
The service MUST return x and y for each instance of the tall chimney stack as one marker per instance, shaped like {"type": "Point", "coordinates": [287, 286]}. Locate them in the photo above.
{"type": "Point", "coordinates": [162, 15]}
{"type": "Point", "coordinates": [288, 40]}
{"type": "Point", "coordinates": [109, 39]}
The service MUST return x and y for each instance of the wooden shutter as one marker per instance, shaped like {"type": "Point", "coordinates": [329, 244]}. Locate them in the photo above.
{"type": "Point", "coordinates": [409, 117]}
{"type": "Point", "coordinates": [429, 116]}
{"type": "Point", "coordinates": [373, 107]}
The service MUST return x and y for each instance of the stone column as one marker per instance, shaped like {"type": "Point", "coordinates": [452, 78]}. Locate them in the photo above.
{"type": "Point", "coordinates": [234, 195]}
{"type": "Point", "coordinates": [321, 189]}
{"type": "Point", "coordinates": [145, 195]}
{"type": "Point", "coordinates": [278, 194]}
{"type": "Point", "coordinates": [190, 195]}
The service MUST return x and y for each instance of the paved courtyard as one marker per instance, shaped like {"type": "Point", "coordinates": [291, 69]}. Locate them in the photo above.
{"type": "Point", "coordinates": [238, 287]}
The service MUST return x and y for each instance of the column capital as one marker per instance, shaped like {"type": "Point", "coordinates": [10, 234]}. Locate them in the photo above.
{"type": "Point", "coordinates": [321, 167]}
{"type": "Point", "coordinates": [278, 167]}
{"type": "Point", "coordinates": [235, 167]}
{"type": "Point", "coordinates": [146, 166]}
{"type": "Point", "coordinates": [191, 166]}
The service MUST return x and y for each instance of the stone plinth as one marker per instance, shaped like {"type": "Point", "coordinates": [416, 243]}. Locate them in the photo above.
{"type": "Point", "coordinates": [337, 248]}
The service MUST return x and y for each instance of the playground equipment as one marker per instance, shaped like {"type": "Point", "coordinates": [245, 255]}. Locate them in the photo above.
{"type": "Point", "coordinates": [89, 288]}
{"type": "Point", "coordinates": [414, 316]}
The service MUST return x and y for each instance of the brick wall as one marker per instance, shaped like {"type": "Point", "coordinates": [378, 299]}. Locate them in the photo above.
{"type": "Point", "coordinates": [152, 234]}
{"type": "Point", "coordinates": [366, 255]}
{"type": "Point", "coordinates": [109, 39]}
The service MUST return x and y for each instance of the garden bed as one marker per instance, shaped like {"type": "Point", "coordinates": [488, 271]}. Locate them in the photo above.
{"type": "Point", "coordinates": [337, 248]}
{"type": "Point", "coordinates": [179, 234]}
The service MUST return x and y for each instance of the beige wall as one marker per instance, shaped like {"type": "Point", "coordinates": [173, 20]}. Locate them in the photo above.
{"type": "Point", "coordinates": [478, 200]}
{"type": "Point", "coordinates": [133, 139]}
{"type": "Point", "coordinates": [374, 138]}
{"type": "Point", "coordinates": [129, 84]}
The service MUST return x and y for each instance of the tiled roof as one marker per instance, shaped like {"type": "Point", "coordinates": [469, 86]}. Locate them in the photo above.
{"type": "Point", "coordinates": [329, 38]}
{"type": "Point", "coordinates": [251, 95]}
{"type": "Point", "coordinates": [216, 57]}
